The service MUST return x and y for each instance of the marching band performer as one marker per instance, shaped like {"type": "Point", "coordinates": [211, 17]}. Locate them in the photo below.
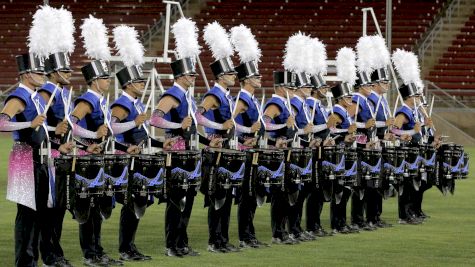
{"type": "Point", "coordinates": [384, 120]}
{"type": "Point", "coordinates": [91, 119]}
{"type": "Point", "coordinates": [128, 125]}
{"type": "Point", "coordinates": [318, 67]}
{"type": "Point", "coordinates": [280, 125]}
{"type": "Point", "coordinates": [407, 125]}
{"type": "Point", "coordinates": [344, 126]}
{"type": "Point", "coordinates": [297, 59]}
{"type": "Point", "coordinates": [174, 114]}
{"type": "Point", "coordinates": [364, 122]}
{"type": "Point", "coordinates": [214, 113]}
{"type": "Point", "coordinates": [248, 125]}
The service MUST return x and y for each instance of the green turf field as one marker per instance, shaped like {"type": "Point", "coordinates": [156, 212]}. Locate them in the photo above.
{"type": "Point", "coordinates": [446, 239]}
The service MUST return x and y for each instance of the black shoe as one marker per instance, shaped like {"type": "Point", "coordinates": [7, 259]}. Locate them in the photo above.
{"type": "Point", "coordinates": [144, 257]}
{"type": "Point", "coordinates": [320, 232]}
{"type": "Point", "coordinates": [353, 229]}
{"type": "Point", "coordinates": [171, 252]}
{"type": "Point", "coordinates": [423, 215]}
{"type": "Point", "coordinates": [366, 227]}
{"type": "Point", "coordinates": [336, 231]}
{"type": "Point", "coordinates": [215, 249]}
{"type": "Point", "coordinates": [282, 241]}
{"type": "Point", "coordinates": [129, 256]}
{"type": "Point", "coordinates": [293, 239]}
{"type": "Point", "coordinates": [409, 221]}
{"type": "Point", "coordinates": [64, 262]}
{"type": "Point", "coordinates": [383, 224]}
{"type": "Point", "coordinates": [247, 244]}
{"type": "Point", "coordinates": [310, 235]}
{"type": "Point", "coordinates": [188, 251]}
{"type": "Point", "coordinates": [106, 260]}
{"type": "Point", "coordinates": [259, 243]}
{"type": "Point", "coordinates": [231, 248]}
{"type": "Point", "coordinates": [93, 262]}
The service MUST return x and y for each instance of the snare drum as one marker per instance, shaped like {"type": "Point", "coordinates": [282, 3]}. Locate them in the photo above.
{"type": "Point", "coordinates": [370, 168]}
{"type": "Point", "coordinates": [183, 169]}
{"type": "Point", "coordinates": [350, 175]}
{"type": "Point", "coordinates": [299, 165]}
{"type": "Point", "coordinates": [116, 174]}
{"type": "Point", "coordinates": [226, 167]}
{"type": "Point", "coordinates": [89, 176]}
{"type": "Point", "coordinates": [148, 175]}
{"type": "Point", "coordinates": [332, 162]}
{"type": "Point", "coordinates": [270, 169]}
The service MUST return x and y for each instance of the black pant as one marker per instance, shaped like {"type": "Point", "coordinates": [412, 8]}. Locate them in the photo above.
{"type": "Point", "coordinates": [50, 235]}
{"type": "Point", "coordinates": [296, 211]}
{"type": "Point", "coordinates": [338, 211]}
{"type": "Point", "coordinates": [357, 206]}
{"type": "Point", "coordinates": [418, 197]}
{"type": "Point", "coordinates": [218, 221]}
{"type": "Point", "coordinates": [127, 229]}
{"type": "Point", "coordinates": [315, 202]}
{"type": "Point", "coordinates": [185, 218]}
{"type": "Point", "coordinates": [279, 212]}
{"type": "Point", "coordinates": [373, 205]}
{"type": "Point", "coordinates": [90, 234]}
{"type": "Point", "coordinates": [172, 219]}
{"type": "Point", "coordinates": [245, 215]}
{"type": "Point", "coordinates": [406, 201]}
{"type": "Point", "coordinates": [27, 221]}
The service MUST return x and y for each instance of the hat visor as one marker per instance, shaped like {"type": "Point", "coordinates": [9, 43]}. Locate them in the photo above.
{"type": "Point", "coordinates": [65, 70]}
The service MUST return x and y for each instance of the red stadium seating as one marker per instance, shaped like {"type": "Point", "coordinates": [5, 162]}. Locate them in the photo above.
{"type": "Point", "coordinates": [16, 20]}
{"type": "Point", "coordinates": [456, 69]}
{"type": "Point", "coordinates": [337, 22]}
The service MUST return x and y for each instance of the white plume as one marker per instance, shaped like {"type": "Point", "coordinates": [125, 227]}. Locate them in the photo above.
{"type": "Point", "coordinates": [217, 39]}
{"type": "Point", "coordinates": [366, 56]}
{"type": "Point", "coordinates": [96, 41]}
{"type": "Point", "coordinates": [245, 44]}
{"type": "Point", "coordinates": [294, 53]}
{"type": "Point", "coordinates": [64, 34]}
{"type": "Point", "coordinates": [383, 58]}
{"type": "Point", "coordinates": [407, 65]}
{"type": "Point", "coordinates": [316, 61]}
{"type": "Point", "coordinates": [44, 26]}
{"type": "Point", "coordinates": [128, 46]}
{"type": "Point", "coordinates": [345, 65]}
{"type": "Point", "coordinates": [186, 38]}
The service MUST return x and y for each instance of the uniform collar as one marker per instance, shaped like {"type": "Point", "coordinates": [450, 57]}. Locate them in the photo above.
{"type": "Point", "coordinates": [224, 90]}
{"type": "Point", "coordinates": [360, 95]}
{"type": "Point", "coordinates": [246, 92]}
{"type": "Point", "coordinates": [299, 98]}
{"type": "Point", "coordinates": [279, 97]}
{"type": "Point", "coordinates": [129, 96]}
{"type": "Point", "coordinates": [179, 87]}
{"type": "Point", "coordinates": [94, 93]}
{"type": "Point", "coordinates": [28, 89]}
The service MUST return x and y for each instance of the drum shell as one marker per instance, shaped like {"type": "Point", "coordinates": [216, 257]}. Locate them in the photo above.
{"type": "Point", "coordinates": [186, 160]}
{"type": "Point", "coordinates": [114, 166]}
{"type": "Point", "coordinates": [301, 157]}
{"type": "Point", "coordinates": [89, 167]}
{"type": "Point", "coordinates": [269, 159]}
{"type": "Point", "coordinates": [148, 166]}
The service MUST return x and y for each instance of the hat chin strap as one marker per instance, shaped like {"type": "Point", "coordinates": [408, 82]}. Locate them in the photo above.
{"type": "Point", "coordinates": [189, 80]}
{"type": "Point", "coordinates": [64, 78]}
{"type": "Point", "coordinates": [34, 79]}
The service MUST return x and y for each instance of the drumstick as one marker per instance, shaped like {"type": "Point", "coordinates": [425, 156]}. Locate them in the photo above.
{"type": "Point", "coordinates": [145, 110]}
{"type": "Point", "coordinates": [357, 108]}
{"type": "Point", "coordinates": [313, 111]}
{"type": "Point", "coordinates": [261, 115]}
{"type": "Point", "coordinates": [289, 107]}
{"type": "Point", "coordinates": [395, 105]}
{"type": "Point", "coordinates": [431, 105]}
{"type": "Point", "coordinates": [66, 107]}
{"type": "Point", "coordinates": [377, 107]}
{"type": "Point", "coordinates": [49, 104]}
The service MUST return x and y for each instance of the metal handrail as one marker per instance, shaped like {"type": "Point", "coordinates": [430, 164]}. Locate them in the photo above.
{"type": "Point", "coordinates": [157, 28]}
{"type": "Point", "coordinates": [444, 92]}
{"type": "Point", "coordinates": [427, 41]}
